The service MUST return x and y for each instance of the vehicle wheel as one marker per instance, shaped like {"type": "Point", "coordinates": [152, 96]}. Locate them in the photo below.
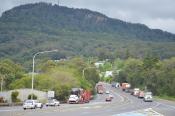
{"type": "Point", "coordinates": [41, 107]}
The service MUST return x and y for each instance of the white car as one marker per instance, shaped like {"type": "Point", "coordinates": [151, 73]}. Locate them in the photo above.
{"type": "Point", "coordinates": [73, 99]}
{"type": "Point", "coordinates": [32, 104]}
{"type": "Point", "coordinates": [29, 104]}
{"type": "Point", "coordinates": [107, 92]}
{"type": "Point", "coordinates": [53, 102]}
{"type": "Point", "coordinates": [111, 96]}
{"type": "Point", "coordinates": [148, 97]}
{"type": "Point", "coordinates": [136, 91]}
{"type": "Point", "coordinates": [38, 104]}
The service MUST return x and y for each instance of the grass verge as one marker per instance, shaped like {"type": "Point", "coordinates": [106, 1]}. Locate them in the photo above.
{"type": "Point", "coordinates": [166, 98]}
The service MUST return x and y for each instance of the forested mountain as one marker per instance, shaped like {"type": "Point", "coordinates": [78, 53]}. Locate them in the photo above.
{"type": "Point", "coordinates": [27, 29]}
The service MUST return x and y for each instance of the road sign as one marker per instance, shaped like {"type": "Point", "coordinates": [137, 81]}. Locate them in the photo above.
{"type": "Point", "coordinates": [51, 94]}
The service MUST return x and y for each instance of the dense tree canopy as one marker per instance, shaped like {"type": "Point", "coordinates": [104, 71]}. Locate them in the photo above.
{"type": "Point", "coordinates": [158, 76]}
{"type": "Point", "coordinates": [61, 77]}
{"type": "Point", "coordinates": [30, 28]}
{"type": "Point", "coordinates": [10, 71]}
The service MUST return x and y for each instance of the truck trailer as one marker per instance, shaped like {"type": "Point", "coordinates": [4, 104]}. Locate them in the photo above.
{"type": "Point", "coordinates": [126, 86]}
{"type": "Point", "coordinates": [99, 88]}
{"type": "Point", "coordinates": [79, 95]}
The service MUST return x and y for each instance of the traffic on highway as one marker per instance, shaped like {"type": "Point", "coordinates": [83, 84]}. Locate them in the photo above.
{"type": "Point", "coordinates": [110, 101]}
{"type": "Point", "coordinates": [87, 58]}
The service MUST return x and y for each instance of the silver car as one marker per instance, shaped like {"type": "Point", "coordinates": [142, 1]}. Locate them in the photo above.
{"type": "Point", "coordinates": [53, 102]}
{"type": "Point", "coordinates": [38, 104]}
{"type": "Point", "coordinates": [32, 104]}
{"type": "Point", "coordinates": [148, 97]}
{"type": "Point", "coordinates": [29, 104]}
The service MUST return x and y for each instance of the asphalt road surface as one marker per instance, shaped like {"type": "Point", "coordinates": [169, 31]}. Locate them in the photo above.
{"type": "Point", "coordinates": [123, 104]}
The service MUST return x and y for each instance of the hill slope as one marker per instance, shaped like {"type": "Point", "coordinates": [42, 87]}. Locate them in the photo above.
{"type": "Point", "coordinates": [26, 29]}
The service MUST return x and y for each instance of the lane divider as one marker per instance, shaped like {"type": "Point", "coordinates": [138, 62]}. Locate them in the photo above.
{"type": "Point", "coordinates": [144, 112]}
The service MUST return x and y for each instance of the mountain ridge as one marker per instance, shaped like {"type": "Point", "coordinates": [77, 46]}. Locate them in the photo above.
{"type": "Point", "coordinates": [101, 22]}
{"type": "Point", "coordinates": [29, 28]}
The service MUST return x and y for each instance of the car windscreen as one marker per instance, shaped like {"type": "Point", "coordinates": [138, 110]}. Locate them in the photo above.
{"type": "Point", "coordinates": [29, 102]}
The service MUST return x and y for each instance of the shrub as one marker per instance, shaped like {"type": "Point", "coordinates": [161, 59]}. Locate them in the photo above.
{"type": "Point", "coordinates": [1, 100]}
{"type": "Point", "coordinates": [30, 96]}
{"type": "Point", "coordinates": [14, 96]}
{"type": "Point", "coordinates": [62, 92]}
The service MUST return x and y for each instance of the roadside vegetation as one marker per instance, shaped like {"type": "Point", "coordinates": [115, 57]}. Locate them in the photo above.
{"type": "Point", "coordinates": [149, 73]}
{"type": "Point", "coordinates": [59, 76]}
{"type": "Point", "coordinates": [25, 30]}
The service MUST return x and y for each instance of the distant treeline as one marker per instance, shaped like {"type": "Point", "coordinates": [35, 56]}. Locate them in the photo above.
{"type": "Point", "coordinates": [150, 73]}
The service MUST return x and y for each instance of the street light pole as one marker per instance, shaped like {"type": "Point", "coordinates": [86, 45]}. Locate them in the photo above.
{"type": "Point", "coordinates": [33, 69]}
{"type": "Point", "coordinates": [2, 79]}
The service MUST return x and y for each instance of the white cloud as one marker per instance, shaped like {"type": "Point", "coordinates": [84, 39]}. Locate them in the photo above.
{"type": "Point", "coordinates": [165, 24]}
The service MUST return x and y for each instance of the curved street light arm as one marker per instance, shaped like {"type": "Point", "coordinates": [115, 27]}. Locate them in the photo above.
{"type": "Point", "coordinates": [33, 69]}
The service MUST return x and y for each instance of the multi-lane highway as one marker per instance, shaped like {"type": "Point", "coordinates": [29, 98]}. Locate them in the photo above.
{"type": "Point", "coordinates": [122, 103]}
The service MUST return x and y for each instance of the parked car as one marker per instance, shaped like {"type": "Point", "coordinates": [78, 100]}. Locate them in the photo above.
{"type": "Point", "coordinates": [29, 104]}
{"type": "Point", "coordinates": [141, 94]}
{"type": "Point", "coordinates": [148, 97]}
{"type": "Point", "coordinates": [53, 102]}
{"type": "Point", "coordinates": [38, 104]}
{"type": "Point", "coordinates": [73, 99]}
{"type": "Point", "coordinates": [32, 104]}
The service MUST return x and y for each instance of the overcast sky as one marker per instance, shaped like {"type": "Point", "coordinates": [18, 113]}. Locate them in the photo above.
{"type": "Point", "coordinates": [154, 13]}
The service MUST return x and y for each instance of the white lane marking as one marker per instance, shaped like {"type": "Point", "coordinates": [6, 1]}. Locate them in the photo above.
{"type": "Point", "coordinates": [145, 112]}
{"type": "Point", "coordinates": [154, 112]}
{"type": "Point", "coordinates": [157, 104]}
{"type": "Point", "coordinates": [95, 103]}
{"type": "Point", "coordinates": [173, 107]}
{"type": "Point", "coordinates": [86, 107]}
{"type": "Point", "coordinates": [121, 97]}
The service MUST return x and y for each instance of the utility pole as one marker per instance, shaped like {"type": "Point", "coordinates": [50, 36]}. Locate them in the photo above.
{"type": "Point", "coordinates": [2, 81]}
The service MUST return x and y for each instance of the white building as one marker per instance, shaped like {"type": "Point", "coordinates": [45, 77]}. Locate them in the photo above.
{"type": "Point", "coordinates": [98, 64]}
{"type": "Point", "coordinates": [108, 74]}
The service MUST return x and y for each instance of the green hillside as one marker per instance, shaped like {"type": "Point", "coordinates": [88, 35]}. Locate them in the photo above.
{"type": "Point", "coordinates": [27, 29]}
